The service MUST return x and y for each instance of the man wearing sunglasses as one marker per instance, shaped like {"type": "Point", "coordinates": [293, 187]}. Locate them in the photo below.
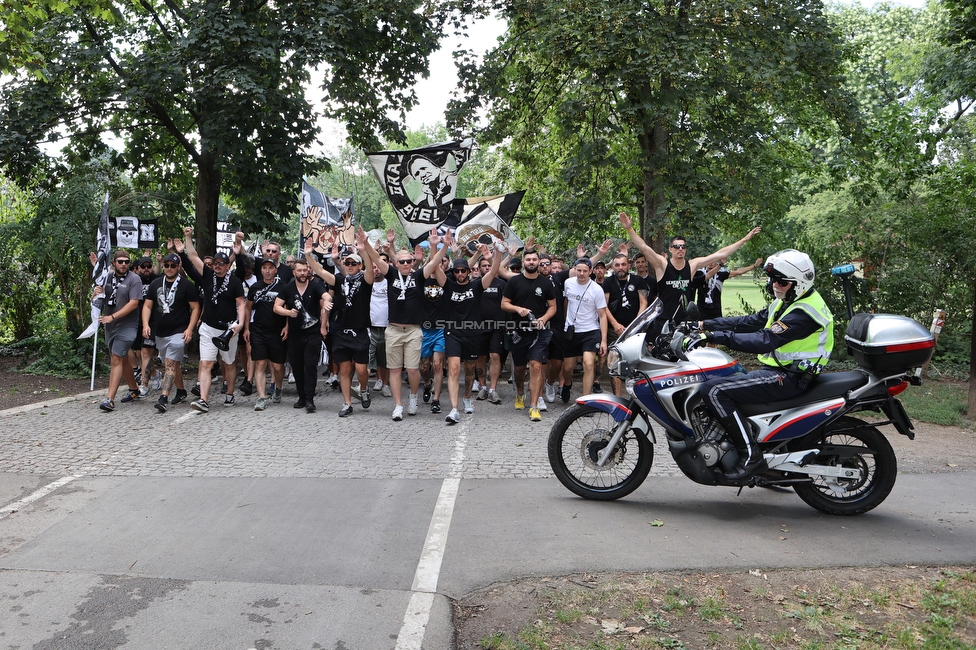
{"type": "Point", "coordinates": [122, 292]}
{"type": "Point", "coordinates": [464, 329]}
{"type": "Point", "coordinates": [349, 318]}
{"type": "Point", "coordinates": [793, 337]}
{"type": "Point", "coordinates": [145, 346]}
{"type": "Point", "coordinates": [404, 335]}
{"type": "Point", "coordinates": [223, 311]}
{"type": "Point", "coordinates": [673, 276]}
{"type": "Point", "coordinates": [169, 315]}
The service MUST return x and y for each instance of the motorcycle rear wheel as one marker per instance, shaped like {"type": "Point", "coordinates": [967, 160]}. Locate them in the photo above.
{"type": "Point", "coordinates": [877, 462]}
{"type": "Point", "coordinates": [575, 441]}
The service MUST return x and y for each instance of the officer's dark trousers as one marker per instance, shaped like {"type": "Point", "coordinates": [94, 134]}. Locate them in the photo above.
{"type": "Point", "coordinates": [757, 387]}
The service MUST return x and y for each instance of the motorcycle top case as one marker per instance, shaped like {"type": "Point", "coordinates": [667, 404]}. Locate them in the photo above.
{"type": "Point", "coordinates": [887, 344]}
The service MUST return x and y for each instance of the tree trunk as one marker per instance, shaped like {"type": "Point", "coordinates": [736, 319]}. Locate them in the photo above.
{"type": "Point", "coordinates": [207, 200]}
{"type": "Point", "coordinates": [654, 143]}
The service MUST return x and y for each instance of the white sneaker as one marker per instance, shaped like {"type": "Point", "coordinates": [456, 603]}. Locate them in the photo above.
{"type": "Point", "coordinates": [143, 391]}
{"type": "Point", "coordinates": [453, 417]}
{"type": "Point", "coordinates": [355, 391]}
{"type": "Point", "coordinates": [412, 406]}
{"type": "Point", "coordinates": [550, 394]}
{"type": "Point", "coordinates": [291, 378]}
{"type": "Point", "coordinates": [156, 382]}
{"type": "Point", "coordinates": [476, 386]}
{"type": "Point", "coordinates": [541, 405]}
{"type": "Point", "coordinates": [378, 386]}
{"type": "Point", "coordinates": [398, 413]}
{"type": "Point", "coordinates": [468, 406]}
{"type": "Point", "coordinates": [483, 393]}
{"type": "Point", "coordinates": [387, 392]}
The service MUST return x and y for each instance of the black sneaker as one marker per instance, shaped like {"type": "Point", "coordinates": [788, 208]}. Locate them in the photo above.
{"type": "Point", "coordinates": [200, 405]}
{"type": "Point", "coordinates": [246, 388]}
{"type": "Point", "coordinates": [435, 406]}
{"type": "Point", "coordinates": [345, 411]}
{"type": "Point", "coordinates": [161, 404]}
{"type": "Point", "coordinates": [107, 405]}
{"type": "Point", "coordinates": [228, 400]}
{"type": "Point", "coordinates": [180, 396]}
{"type": "Point", "coordinates": [195, 390]}
{"type": "Point", "coordinates": [131, 396]}
{"type": "Point", "coordinates": [365, 399]}
{"type": "Point", "coordinates": [310, 406]}
{"type": "Point", "coordinates": [301, 403]}
{"type": "Point", "coordinates": [335, 383]}
{"type": "Point", "coordinates": [596, 387]}
{"type": "Point", "coordinates": [428, 389]}
{"type": "Point", "coordinates": [564, 394]}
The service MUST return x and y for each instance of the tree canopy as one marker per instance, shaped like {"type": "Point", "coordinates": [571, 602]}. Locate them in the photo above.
{"type": "Point", "coordinates": [208, 96]}
{"type": "Point", "coordinates": [685, 110]}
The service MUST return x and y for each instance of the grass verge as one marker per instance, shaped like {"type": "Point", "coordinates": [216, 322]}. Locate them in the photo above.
{"type": "Point", "coordinates": [904, 608]}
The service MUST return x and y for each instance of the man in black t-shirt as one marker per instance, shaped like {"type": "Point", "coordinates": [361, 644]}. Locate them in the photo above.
{"type": "Point", "coordinates": [352, 293]}
{"type": "Point", "coordinates": [170, 314]}
{"type": "Point", "coordinates": [223, 313]}
{"type": "Point", "coordinates": [145, 346]}
{"type": "Point", "coordinates": [496, 321]}
{"type": "Point", "coordinates": [266, 332]}
{"type": "Point", "coordinates": [627, 295]}
{"type": "Point", "coordinates": [307, 305]}
{"type": "Point", "coordinates": [533, 299]}
{"type": "Point", "coordinates": [464, 328]}
{"type": "Point", "coordinates": [404, 335]}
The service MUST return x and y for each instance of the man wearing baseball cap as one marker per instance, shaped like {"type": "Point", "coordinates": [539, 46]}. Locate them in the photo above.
{"type": "Point", "coordinates": [170, 314]}
{"type": "Point", "coordinates": [266, 332]}
{"type": "Point", "coordinates": [349, 319]}
{"type": "Point", "coordinates": [223, 311]}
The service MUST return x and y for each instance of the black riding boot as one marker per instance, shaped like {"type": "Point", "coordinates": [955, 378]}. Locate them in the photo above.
{"type": "Point", "coordinates": [751, 459]}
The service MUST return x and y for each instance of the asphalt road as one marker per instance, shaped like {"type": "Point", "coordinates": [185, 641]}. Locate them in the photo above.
{"type": "Point", "coordinates": [280, 529]}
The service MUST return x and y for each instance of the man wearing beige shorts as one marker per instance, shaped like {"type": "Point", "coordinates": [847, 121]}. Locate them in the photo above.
{"type": "Point", "coordinates": [403, 333]}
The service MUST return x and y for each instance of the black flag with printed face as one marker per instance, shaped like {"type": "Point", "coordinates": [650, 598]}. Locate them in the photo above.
{"type": "Point", "coordinates": [421, 183]}
{"type": "Point", "coordinates": [485, 220]}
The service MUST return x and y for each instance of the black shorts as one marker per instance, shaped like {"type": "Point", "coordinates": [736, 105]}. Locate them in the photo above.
{"type": "Point", "coordinates": [493, 342]}
{"type": "Point", "coordinates": [350, 345]}
{"type": "Point", "coordinates": [557, 346]}
{"type": "Point", "coordinates": [583, 342]}
{"type": "Point", "coordinates": [266, 346]}
{"type": "Point", "coordinates": [530, 346]}
{"type": "Point", "coordinates": [467, 348]}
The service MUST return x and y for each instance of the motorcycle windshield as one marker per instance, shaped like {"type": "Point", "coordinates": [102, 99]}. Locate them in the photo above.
{"type": "Point", "coordinates": [644, 319]}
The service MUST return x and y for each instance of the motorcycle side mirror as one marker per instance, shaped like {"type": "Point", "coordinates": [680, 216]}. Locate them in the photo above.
{"type": "Point", "coordinates": [692, 312]}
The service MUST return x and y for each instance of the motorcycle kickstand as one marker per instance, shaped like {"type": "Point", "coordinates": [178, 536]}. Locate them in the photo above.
{"type": "Point", "coordinates": [618, 433]}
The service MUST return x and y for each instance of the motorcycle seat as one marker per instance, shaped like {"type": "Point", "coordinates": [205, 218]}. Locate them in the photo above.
{"type": "Point", "coordinates": [823, 387]}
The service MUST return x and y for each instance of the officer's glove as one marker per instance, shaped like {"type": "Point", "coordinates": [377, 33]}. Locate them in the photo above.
{"type": "Point", "coordinates": [695, 341]}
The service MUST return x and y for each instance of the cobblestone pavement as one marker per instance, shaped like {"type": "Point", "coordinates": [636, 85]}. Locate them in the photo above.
{"type": "Point", "coordinates": [75, 437]}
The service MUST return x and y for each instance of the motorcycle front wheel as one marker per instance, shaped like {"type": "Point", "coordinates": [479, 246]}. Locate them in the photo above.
{"type": "Point", "coordinates": [851, 443]}
{"type": "Point", "coordinates": [575, 442]}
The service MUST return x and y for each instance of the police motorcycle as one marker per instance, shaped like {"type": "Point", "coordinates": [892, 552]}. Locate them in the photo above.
{"type": "Point", "coordinates": [602, 447]}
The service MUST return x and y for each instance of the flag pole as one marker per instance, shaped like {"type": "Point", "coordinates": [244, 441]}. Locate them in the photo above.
{"type": "Point", "coordinates": [94, 356]}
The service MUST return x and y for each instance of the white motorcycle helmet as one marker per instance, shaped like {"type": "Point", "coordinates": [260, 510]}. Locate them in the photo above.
{"type": "Point", "coordinates": [791, 266]}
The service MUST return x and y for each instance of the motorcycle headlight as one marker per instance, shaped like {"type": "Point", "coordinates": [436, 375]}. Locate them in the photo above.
{"type": "Point", "coordinates": [613, 360]}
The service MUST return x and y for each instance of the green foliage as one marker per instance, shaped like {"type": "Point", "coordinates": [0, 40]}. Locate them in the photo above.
{"type": "Point", "coordinates": [209, 97]}
{"type": "Point", "coordinates": [689, 116]}
{"type": "Point", "coordinates": [55, 351]}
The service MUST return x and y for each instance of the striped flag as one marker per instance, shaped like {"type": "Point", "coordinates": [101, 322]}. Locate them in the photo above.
{"type": "Point", "coordinates": [103, 251]}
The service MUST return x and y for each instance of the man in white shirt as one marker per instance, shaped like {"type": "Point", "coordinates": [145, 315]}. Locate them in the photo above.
{"type": "Point", "coordinates": [586, 324]}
